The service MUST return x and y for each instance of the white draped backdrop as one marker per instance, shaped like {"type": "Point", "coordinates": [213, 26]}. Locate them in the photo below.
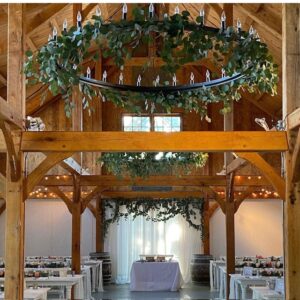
{"type": "Point", "coordinates": [127, 240]}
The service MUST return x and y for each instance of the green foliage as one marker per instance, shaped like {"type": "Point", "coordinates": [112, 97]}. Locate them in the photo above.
{"type": "Point", "coordinates": [146, 164]}
{"type": "Point", "coordinates": [155, 210]}
{"type": "Point", "coordinates": [58, 64]}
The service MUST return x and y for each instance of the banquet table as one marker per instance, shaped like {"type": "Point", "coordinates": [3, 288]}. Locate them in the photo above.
{"type": "Point", "coordinates": [32, 294]}
{"type": "Point", "coordinates": [96, 268]}
{"type": "Point", "coordinates": [214, 273]}
{"type": "Point", "coordinates": [264, 293]}
{"type": "Point", "coordinates": [155, 276]}
{"type": "Point", "coordinates": [67, 282]}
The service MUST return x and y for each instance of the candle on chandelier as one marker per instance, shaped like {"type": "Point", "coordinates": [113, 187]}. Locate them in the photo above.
{"type": "Point", "coordinates": [166, 16]}
{"type": "Point", "coordinates": [223, 73]}
{"type": "Point", "coordinates": [223, 21]}
{"type": "Point", "coordinates": [156, 82]}
{"type": "Point", "coordinates": [49, 37]}
{"type": "Point", "coordinates": [239, 25]}
{"type": "Point", "coordinates": [104, 76]}
{"type": "Point", "coordinates": [79, 19]}
{"type": "Point", "coordinates": [124, 11]}
{"type": "Point", "coordinates": [202, 14]}
{"type": "Point", "coordinates": [139, 80]}
{"type": "Point", "coordinates": [151, 10]}
{"type": "Point", "coordinates": [98, 11]}
{"type": "Point", "coordinates": [177, 10]}
{"type": "Point", "coordinates": [207, 75]}
{"type": "Point", "coordinates": [54, 32]}
{"type": "Point", "coordinates": [174, 80]}
{"type": "Point", "coordinates": [88, 72]}
{"type": "Point", "coordinates": [251, 30]}
{"type": "Point", "coordinates": [192, 78]}
{"type": "Point", "coordinates": [121, 78]}
{"type": "Point", "coordinates": [65, 25]}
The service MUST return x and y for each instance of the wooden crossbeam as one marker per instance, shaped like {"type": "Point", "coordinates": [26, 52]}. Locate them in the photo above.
{"type": "Point", "coordinates": [2, 208]}
{"type": "Point", "coordinates": [235, 165]}
{"type": "Point", "coordinates": [190, 180]}
{"type": "Point", "coordinates": [85, 201]}
{"type": "Point", "coordinates": [113, 141]}
{"type": "Point", "coordinates": [157, 195]}
{"type": "Point", "coordinates": [3, 80]}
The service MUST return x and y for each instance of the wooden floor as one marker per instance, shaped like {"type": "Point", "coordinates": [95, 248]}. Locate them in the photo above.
{"type": "Point", "coordinates": [188, 292]}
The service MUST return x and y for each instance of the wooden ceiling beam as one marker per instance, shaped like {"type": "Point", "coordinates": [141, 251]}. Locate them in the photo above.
{"type": "Point", "coordinates": [293, 119]}
{"type": "Point", "coordinates": [113, 141]}
{"type": "Point", "coordinates": [260, 21]}
{"type": "Point", "coordinates": [8, 114]}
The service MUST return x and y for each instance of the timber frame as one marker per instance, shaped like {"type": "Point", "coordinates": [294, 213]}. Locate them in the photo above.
{"type": "Point", "coordinates": [58, 146]}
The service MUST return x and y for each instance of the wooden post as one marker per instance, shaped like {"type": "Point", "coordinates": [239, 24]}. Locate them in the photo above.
{"type": "Point", "coordinates": [291, 100]}
{"type": "Point", "coordinates": [230, 238]}
{"type": "Point", "coordinates": [206, 248]}
{"type": "Point", "coordinates": [76, 225]}
{"type": "Point", "coordinates": [14, 229]}
{"type": "Point", "coordinates": [99, 225]}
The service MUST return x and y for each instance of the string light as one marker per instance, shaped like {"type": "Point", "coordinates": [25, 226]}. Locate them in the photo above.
{"type": "Point", "coordinates": [57, 177]}
{"type": "Point", "coordinates": [249, 177]}
{"type": "Point", "coordinates": [46, 178]}
{"type": "Point", "coordinates": [259, 177]}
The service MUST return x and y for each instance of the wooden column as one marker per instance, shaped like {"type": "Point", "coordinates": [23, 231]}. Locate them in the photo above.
{"type": "Point", "coordinates": [230, 233]}
{"type": "Point", "coordinates": [291, 100]}
{"type": "Point", "coordinates": [99, 225]}
{"type": "Point", "coordinates": [14, 228]}
{"type": "Point", "coordinates": [76, 225]}
{"type": "Point", "coordinates": [206, 247]}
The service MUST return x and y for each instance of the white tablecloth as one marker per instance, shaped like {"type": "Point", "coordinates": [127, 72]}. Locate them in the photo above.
{"type": "Point", "coordinates": [31, 294]}
{"type": "Point", "coordinates": [262, 293]}
{"type": "Point", "coordinates": [97, 281]}
{"type": "Point", "coordinates": [155, 276]}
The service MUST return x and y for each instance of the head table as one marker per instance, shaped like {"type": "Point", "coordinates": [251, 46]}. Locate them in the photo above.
{"type": "Point", "coordinates": [155, 276]}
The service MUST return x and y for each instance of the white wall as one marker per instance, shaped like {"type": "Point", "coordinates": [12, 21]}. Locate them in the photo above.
{"type": "Point", "coordinates": [48, 229]}
{"type": "Point", "coordinates": [258, 229]}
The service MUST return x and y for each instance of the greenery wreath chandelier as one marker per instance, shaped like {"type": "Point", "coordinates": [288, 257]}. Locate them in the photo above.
{"type": "Point", "coordinates": [241, 59]}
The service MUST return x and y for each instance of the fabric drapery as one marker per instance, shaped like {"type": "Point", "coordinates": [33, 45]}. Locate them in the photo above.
{"type": "Point", "coordinates": [130, 238]}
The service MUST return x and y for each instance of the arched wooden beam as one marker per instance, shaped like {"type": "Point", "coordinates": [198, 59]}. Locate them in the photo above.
{"type": "Point", "coordinates": [56, 190]}
{"type": "Point", "coordinates": [92, 208]}
{"type": "Point", "coordinates": [85, 201]}
{"type": "Point", "coordinates": [212, 209]}
{"type": "Point", "coordinates": [220, 200]}
{"type": "Point", "coordinates": [38, 173]}
{"type": "Point", "coordinates": [267, 170]}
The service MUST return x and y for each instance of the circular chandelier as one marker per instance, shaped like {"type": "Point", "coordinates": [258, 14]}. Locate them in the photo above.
{"type": "Point", "coordinates": [242, 61]}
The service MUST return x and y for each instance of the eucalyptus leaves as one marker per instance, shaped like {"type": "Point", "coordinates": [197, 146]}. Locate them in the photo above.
{"type": "Point", "coordinates": [148, 163]}
{"type": "Point", "coordinates": [155, 210]}
{"type": "Point", "coordinates": [59, 63]}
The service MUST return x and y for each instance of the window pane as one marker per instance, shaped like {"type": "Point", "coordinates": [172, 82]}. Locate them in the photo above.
{"type": "Point", "coordinates": [134, 123]}
{"type": "Point", "coordinates": [167, 123]}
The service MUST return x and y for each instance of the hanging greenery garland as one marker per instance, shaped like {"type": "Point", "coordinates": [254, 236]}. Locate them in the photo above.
{"type": "Point", "coordinates": [146, 164]}
{"type": "Point", "coordinates": [59, 63]}
{"type": "Point", "coordinates": [155, 210]}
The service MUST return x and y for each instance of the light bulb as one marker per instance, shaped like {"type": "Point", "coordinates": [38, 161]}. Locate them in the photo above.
{"type": "Point", "coordinates": [177, 10]}
{"type": "Point", "coordinates": [65, 25]}
{"type": "Point", "coordinates": [98, 11]}
{"type": "Point", "coordinates": [207, 75]}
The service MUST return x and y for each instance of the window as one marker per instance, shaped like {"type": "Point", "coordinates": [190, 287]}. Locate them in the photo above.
{"type": "Point", "coordinates": [136, 123]}
{"type": "Point", "coordinates": [165, 123]}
